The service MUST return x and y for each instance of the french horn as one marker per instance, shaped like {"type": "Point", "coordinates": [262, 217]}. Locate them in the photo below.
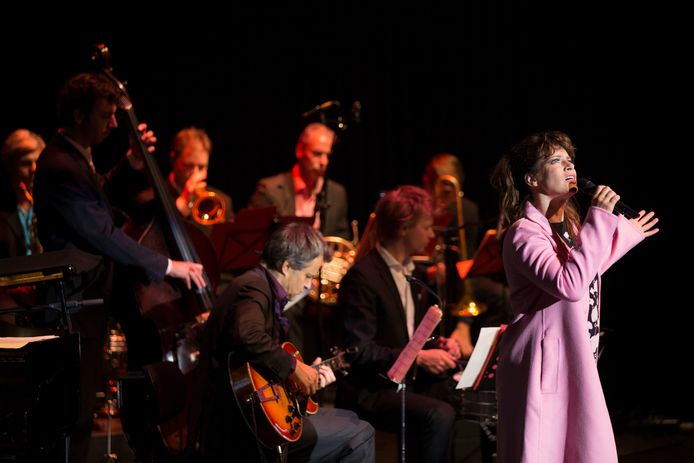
{"type": "Point", "coordinates": [327, 285]}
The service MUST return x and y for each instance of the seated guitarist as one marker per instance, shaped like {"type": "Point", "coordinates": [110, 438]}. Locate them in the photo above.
{"type": "Point", "coordinates": [247, 325]}
{"type": "Point", "coordinates": [381, 310]}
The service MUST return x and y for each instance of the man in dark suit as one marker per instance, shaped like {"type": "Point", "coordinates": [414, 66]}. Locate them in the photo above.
{"type": "Point", "coordinates": [303, 190]}
{"type": "Point", "coordinates": [74, 213]}
{"type": "Point", "coordinates": [248, 325]}
{"type": "Point", "coordinates": [381, 310]}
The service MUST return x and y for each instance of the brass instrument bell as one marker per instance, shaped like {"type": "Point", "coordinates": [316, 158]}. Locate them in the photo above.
{"type": "Point", "coordinates": [326, 287]}
{"type": "Point", "coordinates": [208, 208]}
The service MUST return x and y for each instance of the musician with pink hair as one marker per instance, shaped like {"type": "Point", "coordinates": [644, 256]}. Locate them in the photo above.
{"type": "Point", "coordinates": [382, 306]}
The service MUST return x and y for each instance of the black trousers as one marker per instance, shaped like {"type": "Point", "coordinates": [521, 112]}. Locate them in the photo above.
{"type": "Point", "coordinates": [429, 421]}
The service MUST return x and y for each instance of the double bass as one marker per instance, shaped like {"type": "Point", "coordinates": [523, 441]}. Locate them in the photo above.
{"type": "Point", "coordinates": [175, 311]}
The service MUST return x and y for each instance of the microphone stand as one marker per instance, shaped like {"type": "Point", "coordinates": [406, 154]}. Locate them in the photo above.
{"type": "Point", "coordinates": [321, 209]}
{"type": "Point", "coordinates": [418, 282]}
{"type": "Point", "coordinates": [322, 204]}
{"type": "Point", "coordinates": [402, 387]}
{"type": "Point", "coordinates": [460, 362]}
{"type": "Point", "coordinates": [398, 371]}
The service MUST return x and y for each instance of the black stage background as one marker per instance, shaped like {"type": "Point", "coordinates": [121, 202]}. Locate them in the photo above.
{"type": "Point", "coordinates": [471, 80]}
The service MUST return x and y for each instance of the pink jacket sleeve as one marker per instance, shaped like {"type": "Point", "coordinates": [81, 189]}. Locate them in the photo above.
{"type": "Point", "coordinates": [625, 237]}
{"type": "Point", "coordinates": [533, 253]}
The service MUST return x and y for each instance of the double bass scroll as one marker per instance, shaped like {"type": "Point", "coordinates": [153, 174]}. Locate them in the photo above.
{"type": "Point", "coordinates": [164, 303]}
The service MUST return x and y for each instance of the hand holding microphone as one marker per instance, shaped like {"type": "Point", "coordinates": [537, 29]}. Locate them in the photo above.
{"type": "Point", "coordinates": [605, 198]}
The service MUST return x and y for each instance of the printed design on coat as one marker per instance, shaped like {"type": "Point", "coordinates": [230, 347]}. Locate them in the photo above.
{"type": "Point", "coordinates": [594, 316]}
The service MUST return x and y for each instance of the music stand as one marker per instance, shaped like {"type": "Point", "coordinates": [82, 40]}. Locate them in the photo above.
{"type": "Point", "coordinates": [240, 243]}
{"type": "Point", "coordinates": [487, 259]}
{"type": "Point", "coordinates": [399, 369]}
{"type": "Point", "coordinates": [478, 380]}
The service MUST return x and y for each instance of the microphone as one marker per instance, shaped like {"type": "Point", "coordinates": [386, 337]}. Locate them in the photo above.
{"type": "Point", "coordinates": [291, 302]}
{"type": "Point", "coordinates": [435, 341]}
{"type": "Point", "coordinates": [321, 107]}
{"type": "Point", "coordinates": [419, 282]}
{"type": "Point", "coordinates": [587, 187]}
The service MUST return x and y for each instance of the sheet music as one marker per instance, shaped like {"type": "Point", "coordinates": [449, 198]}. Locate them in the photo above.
{"type": "Point", "coordinates": [478, 359]}
{"type": "Point", "coordinates": [404, 361]}
{"type": "Point", "coordinates": [19, 342]}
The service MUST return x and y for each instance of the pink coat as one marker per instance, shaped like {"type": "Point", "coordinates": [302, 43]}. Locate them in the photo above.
{"type": "Point", "coordinates": [551, 405]}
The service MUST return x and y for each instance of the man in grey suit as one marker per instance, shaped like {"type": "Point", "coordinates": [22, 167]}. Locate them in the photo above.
{"type": "Point", "coordinates": [303, 191]}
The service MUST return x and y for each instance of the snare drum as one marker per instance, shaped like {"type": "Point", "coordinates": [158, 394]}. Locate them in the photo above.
{"type": "Point", "coordinates": [479, 406]}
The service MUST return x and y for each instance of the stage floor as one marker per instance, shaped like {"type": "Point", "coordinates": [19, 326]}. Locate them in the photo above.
{"type": "Point", "coordinates": [645, 444]}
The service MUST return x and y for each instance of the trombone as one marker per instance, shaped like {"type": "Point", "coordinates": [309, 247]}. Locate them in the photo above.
{"type": "Point", "coordinates": [447, 189]}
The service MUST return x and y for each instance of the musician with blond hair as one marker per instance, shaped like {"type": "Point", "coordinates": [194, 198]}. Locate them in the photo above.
{"type": "Point", "coordinates": [18, 235]}
{"type": "Point", "coordinates": [382, 307]}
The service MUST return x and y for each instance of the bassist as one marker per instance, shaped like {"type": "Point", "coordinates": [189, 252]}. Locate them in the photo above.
{"type": "Point", "coordinates": [74, 212]}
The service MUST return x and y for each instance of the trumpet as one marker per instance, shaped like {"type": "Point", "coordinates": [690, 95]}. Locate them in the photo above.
{"type": "Point", "coordinates": [208, 208]}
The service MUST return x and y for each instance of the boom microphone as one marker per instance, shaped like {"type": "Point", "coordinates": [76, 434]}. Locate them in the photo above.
{"type": "Point", "coordinates": [587, 187]}
{"type": "Point", "coordinates": [321, 107]}
{"type": "Point", "coordinates": [419, 282]}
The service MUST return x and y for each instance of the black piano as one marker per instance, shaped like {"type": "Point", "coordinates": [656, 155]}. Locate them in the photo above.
{"type": "Point", "coordinates": [39, 381]}
{"type": "Point", "coordinates": [39, 394]}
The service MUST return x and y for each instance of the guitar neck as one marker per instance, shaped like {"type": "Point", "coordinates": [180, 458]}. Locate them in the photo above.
{"type": "Point", "coordinates": [333, 362]}
{"type": "Point", "coordinates": [337, 362]}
